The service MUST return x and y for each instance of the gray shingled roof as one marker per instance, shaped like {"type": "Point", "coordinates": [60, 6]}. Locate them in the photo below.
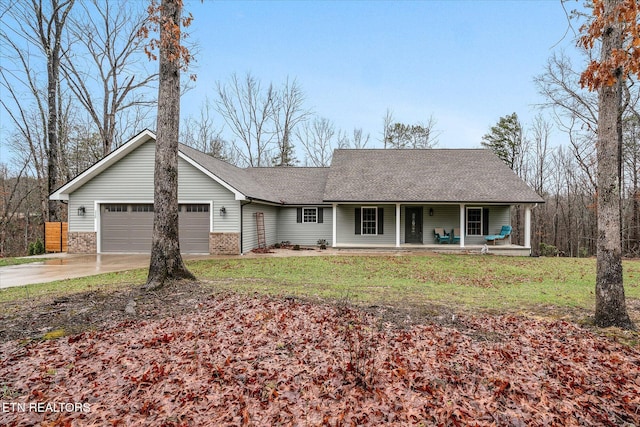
{"type": "Point", "coordinates": [288, 185]}
{"type": "Point", "coordinates": [234, 176]}
{"type": "Point", "coordinates": [293, 185]}
{"type": "Point", "coordinates": [432, 175]}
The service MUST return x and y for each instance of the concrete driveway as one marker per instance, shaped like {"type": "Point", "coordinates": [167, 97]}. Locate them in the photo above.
{"type": "Point", "coordinates": [65, 266]}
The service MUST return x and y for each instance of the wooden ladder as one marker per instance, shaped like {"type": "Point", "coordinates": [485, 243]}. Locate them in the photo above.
{"type": "Point", "coordinates": [262, 240]}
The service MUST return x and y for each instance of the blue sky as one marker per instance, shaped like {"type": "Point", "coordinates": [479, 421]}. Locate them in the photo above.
{"type": "Point", "coordinates": [467, 63]}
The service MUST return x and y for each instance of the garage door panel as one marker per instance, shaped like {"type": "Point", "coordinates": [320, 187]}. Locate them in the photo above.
{"type": "Point", "coordinates": [128, 228]}
{"type": "Point", "coordinates": [125, 228]}
{"type": "Point", "coordinates": [194, 228]}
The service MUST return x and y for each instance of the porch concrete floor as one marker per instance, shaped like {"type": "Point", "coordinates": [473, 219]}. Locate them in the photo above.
{"type": "Point", "coordinates": [515, 250]}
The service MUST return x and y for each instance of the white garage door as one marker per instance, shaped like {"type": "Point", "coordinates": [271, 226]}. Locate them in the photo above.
{"type": "Point", "coordinates": [127, 228]}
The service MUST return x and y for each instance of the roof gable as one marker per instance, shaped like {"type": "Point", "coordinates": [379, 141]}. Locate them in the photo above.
{"type": "Point", "coordinates": [96, 169]}
{"type": "Point", "coordinates": [190, 155]}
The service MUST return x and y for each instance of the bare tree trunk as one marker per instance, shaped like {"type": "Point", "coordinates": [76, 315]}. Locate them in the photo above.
{"type": "Point", "coordinates": [635, 231]}
{"type": "Point", "coordinates": [49, 32]}
{"type": "Point", "coordinates": [632, 161]}
{"type": "Point", "coordinates": [387, 122]}
{"type": "Point", "coordinates": [166, 262]}
{"type": "Point", "coordinates": [634, 223]}
{"type": "Point", "coordinates": [611, 309]}
{"type": "Point", "coordinates": [316, 138]}
{"type": "Point", "coordinates": [288, 113]}
{"type": "Point", "coordinates": [52, 135]}
{"type": "Point", "coordinates": [30, 137]}
{"type": "Point", "coordinates": [249, 113]}
{"type": "Point", "coordinates": [106, 34]}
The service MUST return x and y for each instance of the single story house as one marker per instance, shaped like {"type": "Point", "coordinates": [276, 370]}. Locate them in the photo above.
{"type": "Point", "coordinates": [367, 198]}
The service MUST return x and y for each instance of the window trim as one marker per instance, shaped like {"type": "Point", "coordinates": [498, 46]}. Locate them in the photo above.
{"type": "Point", "coordinates": [362, 220]}
{"type": "Point", "coordinates": [304, 216]}
{"type": "Point", "coordinates": [479, 222]}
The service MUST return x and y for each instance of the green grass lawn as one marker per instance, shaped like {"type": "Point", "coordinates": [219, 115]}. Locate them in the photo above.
{"type": "Point", "coordinates": [4, 262]}
{"type": "Point", "coordinates": [486, 282]}
{"type": "Point", "coordinates": [467, 282]}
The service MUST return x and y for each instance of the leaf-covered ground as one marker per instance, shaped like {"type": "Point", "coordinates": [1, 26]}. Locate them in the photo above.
{"type": "Point", "coordinates": [238, 360]}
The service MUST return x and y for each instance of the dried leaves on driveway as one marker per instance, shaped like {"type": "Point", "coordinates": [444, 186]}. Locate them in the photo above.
{"type": "Point", "coordinates": [263, 361]}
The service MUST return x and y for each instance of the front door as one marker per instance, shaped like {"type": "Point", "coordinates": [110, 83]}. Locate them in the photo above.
{"type": "Point", "coordinates": [413, 225]}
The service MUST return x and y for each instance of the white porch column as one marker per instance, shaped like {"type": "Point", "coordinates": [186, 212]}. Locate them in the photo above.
{"type": "Point", "coordinates": [334, 211]}
{"type": "Point", "coordinates": [527, 227]}
{"type": "Point", "coordinates": [462, 227]}
{"type": "Point", "coordinates": [397, 225]}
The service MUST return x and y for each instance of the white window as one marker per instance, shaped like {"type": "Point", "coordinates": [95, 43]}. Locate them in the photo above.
{"type": "Point", "coordinates": [310, 215]}
{"type": "Point", "coordinates": [141, 208]}
{"type": "Point", "coordinates": [369, 220]}
{"type": "Point", "coordinates": [195, 208]}
{"type": "Point", "coordinates": [115, 208]}
{"type": "Point", "coordinates": [474, 221]}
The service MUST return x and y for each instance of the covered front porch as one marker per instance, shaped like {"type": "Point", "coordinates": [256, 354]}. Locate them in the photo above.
{"type": "Point", "coordinates": [412, 226]}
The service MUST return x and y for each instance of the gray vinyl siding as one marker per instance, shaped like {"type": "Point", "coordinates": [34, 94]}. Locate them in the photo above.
{"type": "Point", "coordinates": [304, 233]}
{"type": "Point", "coordinates": [346, 227]}
{"type": "Point", "coordinates": [131, 180]}
{"type": "Point", "coordinates": [448, 217]}
{"type": "Point", "coordinates": [194, 185]}
{"type": "Point", "coordinates": [498, 216]}
{"type": "Point", "coordinates": [249, 228]}
{"type": "Point", "coordinates": [444, 216]}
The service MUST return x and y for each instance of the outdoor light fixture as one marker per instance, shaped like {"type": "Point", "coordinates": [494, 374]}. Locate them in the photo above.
{"type": "Point", "coordinates": [223, 211]}
{"type": "Point", "coordinates": [81, 211]}
{"type": "Point", "coordinates": [430, 211]}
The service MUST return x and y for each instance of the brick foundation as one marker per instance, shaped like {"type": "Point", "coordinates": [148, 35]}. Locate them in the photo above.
{"type": "Point", "coordinates": [224, 243]}
{"type": "Point", "coordinates": [82, 242]}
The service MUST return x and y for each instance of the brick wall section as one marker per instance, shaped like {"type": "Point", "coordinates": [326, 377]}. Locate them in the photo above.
{"type": "Point", "coordinates": [224, 243]}
{"type": "Point", "coordinates": [82, 242]}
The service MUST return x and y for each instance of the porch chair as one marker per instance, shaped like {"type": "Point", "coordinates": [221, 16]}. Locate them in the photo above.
{"type": "Point", "coordinates": [505, 232]}
{"type": "Point", "coordinates": [440, 235]}
{"type": "Point", "coordinates": [455, 235]}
